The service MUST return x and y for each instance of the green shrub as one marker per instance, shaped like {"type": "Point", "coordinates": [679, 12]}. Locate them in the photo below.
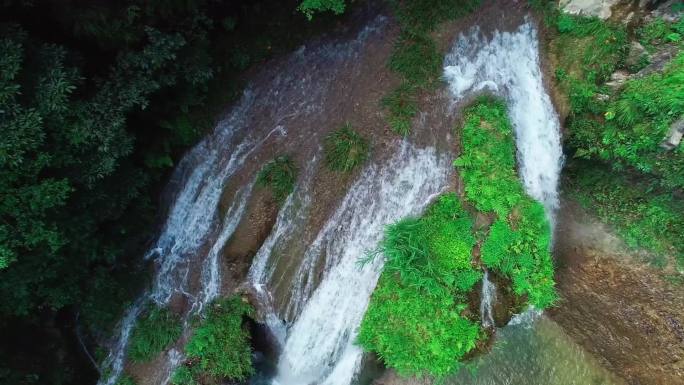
{"type": "Point", "coordinates": [125, 380]}
{"type": "Point", "coordinates": [153, 333]}
{"type": "Point", "coordinates": [487, 162]}
{"type": "Point", "coordinates": [414, 321]}
{"type": "Point", "coordinates": [518, 243]}
{"type": "Point", "coordinates": [183, 376]}
{"type": "Point", "coordinates": [279, 175]}
{"type": "Point", "coordinates": [402, 106]}
{"type": "Point", "coordinates": [220, 345]}
{"type": "Point", "coordinates": [640, 117]}
{"type": "Point", "coordinates": [345, 149]}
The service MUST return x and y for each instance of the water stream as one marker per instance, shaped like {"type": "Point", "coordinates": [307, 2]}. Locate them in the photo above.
{"type": "Point", "coordinates": [488, 299]}
{"type": "Point", "coordinates": [320, 346]}
{"type": "Point", "coordinates": [508, 65]}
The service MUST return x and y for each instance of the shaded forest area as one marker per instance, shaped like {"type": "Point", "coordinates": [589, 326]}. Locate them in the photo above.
{"type": "Point", "coordinates": [98, 100]}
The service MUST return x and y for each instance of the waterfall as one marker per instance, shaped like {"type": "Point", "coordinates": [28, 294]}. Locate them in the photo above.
{"type": "Point", "coordinates": [487, 301]}
{"type": "Point", "coordinates": [320, 345]}
{"type": "Point", "coordinates": [277, 104]}
{"type": "Point", "coordinates": [508, 65]}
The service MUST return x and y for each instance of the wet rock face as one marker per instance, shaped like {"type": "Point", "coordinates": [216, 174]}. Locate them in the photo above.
{"type": "Point", "coordinates": [616, 307]}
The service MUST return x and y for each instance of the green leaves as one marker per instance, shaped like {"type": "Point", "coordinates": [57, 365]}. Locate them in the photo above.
{"type": "Point", "coordinates": [279, 175]}
{"type": "Point", "coordinates": [414, 319]}
{"type": "Point", "coordinates": [518, 243]}
{"type": "Point", "coordinates": [310, 7]}
{"type": "Point", "coordinates": [153, 333]}
{"type": "Point", "coordinates": [220, 346]}
{"type": "Point", "coordinates": [345, 149]}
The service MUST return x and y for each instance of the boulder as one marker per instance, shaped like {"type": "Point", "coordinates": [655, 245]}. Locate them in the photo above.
{"type": "Point", "coordinates": [636, 54]}
{"type": "Point", "coordinates": [598, 8]}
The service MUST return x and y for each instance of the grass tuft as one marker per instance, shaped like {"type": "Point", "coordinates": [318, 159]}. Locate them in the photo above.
{"type": "Point", "coordinates": [279, 175]}
{"type": "Point", "coordinates": [220, 346]}
{"type": "Point", "coordinates": [345, 149]}
{"type": "Point", "coordinates": [153, 333]}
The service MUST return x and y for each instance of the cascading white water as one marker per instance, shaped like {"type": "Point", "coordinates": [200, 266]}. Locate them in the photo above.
{"type": "Point", "coordinates": [295, 90]}
{"type": "Point", "coordinates": [320, 348]}
{"type": "Point", "coordinates": [508, 65]}
{"type": "Point", "coordinates": [487, 301]}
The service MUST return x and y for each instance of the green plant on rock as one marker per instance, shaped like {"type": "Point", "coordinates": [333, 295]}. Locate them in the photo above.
{"type": "Point", "coordinates": [220, 345]}
{"type": "Point", "coordinates": [125, 380]}
{"type": "Point", "coordinates": [153, 333]}
{"type": "Point", "coordinates": [487, 162]}
{"type": "Point", "coordinates": [415, 320]}
{"type": "Point", "coordinates": [415, 57]}
{"type": "Point", "coordinates": [345, 149]}
{"type": "Point", "coordinates": [518, 243]}
{"type": "Point", "coordinates": [279, 175]}
{"type": "Point", "coordinates": [183, 376]}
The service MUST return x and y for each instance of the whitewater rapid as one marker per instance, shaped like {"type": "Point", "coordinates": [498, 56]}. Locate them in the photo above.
{"type": "Point", "coordinates": [508, 65]}
{"type": "Point", "coordinates": [320, 346]}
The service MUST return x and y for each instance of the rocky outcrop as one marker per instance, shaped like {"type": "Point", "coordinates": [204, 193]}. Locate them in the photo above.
{"type": "Point", "coordinates": [598, 8]}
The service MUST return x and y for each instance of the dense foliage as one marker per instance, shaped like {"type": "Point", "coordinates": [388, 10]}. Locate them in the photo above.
{"type": "Point", "coordinates": [345, 149]}
{"type": "Point", "coordinates": [279, 175]}
{"type": "Point", "coordinates": [97, 101]}
{"type": "Point", "coordinates": [623, 126]}
{"type": "Point", "coordinates": [416, 319]}
{"type": "Point", "coordinates": [220, 346]}
{"type": "Point", "coordinates": [153, 333]}
{"type": "Point", "coordinates": [518, 244]}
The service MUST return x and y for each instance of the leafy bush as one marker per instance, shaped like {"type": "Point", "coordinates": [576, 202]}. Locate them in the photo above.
{"type": "Point", "coordinates": [487, 162]}
{"type": "Point", "coordinates": [309, 7]}
{"type": "Point", "coordinates": [640, 117]}
{"type": "Point", "coordinates": [414, 321]}
{"type": "Point", "coordinates": [345, 149]}
{"type": "Point", "coordinates": [220, 346]}
{"type": "Point", "coordinates": [518, 243]}
{"type": "Point", "coordinates": [153, 333]}
{"type": "Point", "coordinates": [183, 376]}
{"type": "Point", "coordinates": [279, 175]}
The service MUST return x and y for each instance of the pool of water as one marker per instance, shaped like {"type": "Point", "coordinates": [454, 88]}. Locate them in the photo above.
{"type": "Point", "coordinates": [534, 350]}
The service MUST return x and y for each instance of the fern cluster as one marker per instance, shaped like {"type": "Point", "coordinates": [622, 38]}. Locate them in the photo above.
{"type": "Point", "coordinates": [154, 332]}
{"type": "Point", "coordinates": [220, 346]}
{"type": "Point", "coordinates": [415, 320]}
{"type": "Point", "coordinates": [345, 149]}
{"type": "Point", "coordinates": [279, 175]}
{"type": "Point", "coordinates": [518, 243]}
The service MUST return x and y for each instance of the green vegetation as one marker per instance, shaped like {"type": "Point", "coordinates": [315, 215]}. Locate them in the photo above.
{"type": "Point", "coordinates": [645, 216]}
{"type": "Point", "coordinates": [416, 318]}
{"type": "Point", "coordinates": [220, 345]}
{"type": "Point", "coordinates": [279, 175]}
{"type": "Point", "coordinates": [622, 128]}
{"type": "Point", "coordinates": [519, 241]}
{"type": "Point", "coordinates": [98, 100]}
{"type": "Point", "coordinates": [345, 149]}
{"type": "Point", "coordinates": [154, 333]}
{"type": "Point", "coordinates": [416, 58]}
{"type": "Point", "coordinates": [125, 380]}
{"type": "Point", "coordinates": [658, 31]}
{"type": "Point", "coordinates": [309, 7]}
